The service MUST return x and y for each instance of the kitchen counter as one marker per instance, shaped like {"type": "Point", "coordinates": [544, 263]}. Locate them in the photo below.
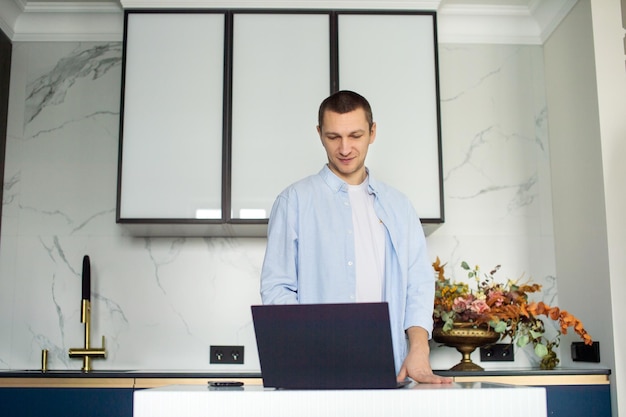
{"type": "Point", "coordinates": [534, 376]}
{"type": "Point", "coordinates": [571, 392]}
{"type": "Point", "coordinates": [155, 378]}
{"type": "Point", "coordinates": [36, 373]}
{"type": "Point", "coordinates": [116, 378]}
{"type": "Point", "coordinates": [166, 373]}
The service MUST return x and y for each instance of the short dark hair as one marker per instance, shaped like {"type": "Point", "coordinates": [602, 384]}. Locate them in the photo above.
{"type": "Point", "coordinates": [345, 101]}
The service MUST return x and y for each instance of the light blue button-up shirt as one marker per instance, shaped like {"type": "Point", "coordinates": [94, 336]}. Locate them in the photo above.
{"type": "Point", "coordinates": [310, 255]}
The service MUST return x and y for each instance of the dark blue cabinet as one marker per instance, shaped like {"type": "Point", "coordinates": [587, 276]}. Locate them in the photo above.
{"type": "Point", "coordinates": [579, 400]}
{"type": "Point", "coordinates": [66, 402]}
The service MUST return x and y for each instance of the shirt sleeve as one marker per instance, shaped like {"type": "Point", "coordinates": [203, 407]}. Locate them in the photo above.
{"type": "Point", "coordinates": [279, 278]}
{"type": "Point", "coordinates": [420, 280]}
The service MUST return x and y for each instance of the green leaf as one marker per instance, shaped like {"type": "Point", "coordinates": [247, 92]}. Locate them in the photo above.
{"type": "Point", "coordinates": [464, 265]}
{"type": "Point", "coordinates": [541, 350]}
{"type": "Point", "coordinates": [522, 340]}
{"type": "Point", "coordinates": [500, 327]}
{"type": "Point", "coordinates": [535, 334]}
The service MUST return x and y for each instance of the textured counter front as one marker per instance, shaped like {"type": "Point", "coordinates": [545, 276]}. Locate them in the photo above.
{"type": "Point", "coordinates": [467, 399]}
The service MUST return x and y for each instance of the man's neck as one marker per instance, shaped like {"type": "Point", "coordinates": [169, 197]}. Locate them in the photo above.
{"type": "Point", "coordinates": [355, 178]}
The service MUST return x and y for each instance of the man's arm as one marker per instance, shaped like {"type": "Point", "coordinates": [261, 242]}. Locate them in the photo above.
{"type": "Point", "coordinates": [417, 363]}
{"type": "Point", "coordinates": [278, 274]}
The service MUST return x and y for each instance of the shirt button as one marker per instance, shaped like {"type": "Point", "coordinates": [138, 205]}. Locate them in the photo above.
{"type": "Point", "coordinates": [352, 297]}
{"type": "Point", "coordinates": [350, 263]}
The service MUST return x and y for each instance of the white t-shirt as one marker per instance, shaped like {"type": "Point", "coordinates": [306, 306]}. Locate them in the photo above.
{"type": "Point", "coordinates": [369, 244]}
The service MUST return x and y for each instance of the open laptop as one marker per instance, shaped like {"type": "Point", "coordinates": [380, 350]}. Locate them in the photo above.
{"type": "Point", "coordinates": [325, 346]}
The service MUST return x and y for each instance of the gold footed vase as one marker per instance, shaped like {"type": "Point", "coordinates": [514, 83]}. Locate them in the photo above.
{"type": "Point", "coordinates": [466, 338]}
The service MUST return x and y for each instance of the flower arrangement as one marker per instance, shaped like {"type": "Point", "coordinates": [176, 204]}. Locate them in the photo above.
{"type": "Point", "coordinates": [504, 307]}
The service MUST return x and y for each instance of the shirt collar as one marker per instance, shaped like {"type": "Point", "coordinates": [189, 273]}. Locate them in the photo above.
{"type": "Point", "coordinates": [337, 184]}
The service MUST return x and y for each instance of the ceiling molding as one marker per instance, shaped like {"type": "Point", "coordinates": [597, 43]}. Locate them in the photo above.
{"type": "Point", "coordinates": [549, 14]}
{"type": "Point", "coordinates": [458, 22]}
{"type": "Point", "coordinates": [69, 27]}
{"type": "Point", "coordinates": [487, 24]}
{"type": "Point", "coordinates": [9, 13]}
{"type": "Point", "coordinates": [70, 6]}
{"type": "Point", "coordinates": [285, 4]}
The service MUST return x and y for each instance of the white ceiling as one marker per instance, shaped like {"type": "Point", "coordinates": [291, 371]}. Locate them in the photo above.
{"type": "Point", "coordinates": [459, 21]}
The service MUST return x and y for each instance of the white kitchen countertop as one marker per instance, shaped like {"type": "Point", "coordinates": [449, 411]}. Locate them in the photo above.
{"type": "Point", "coordinates": [466, 399]}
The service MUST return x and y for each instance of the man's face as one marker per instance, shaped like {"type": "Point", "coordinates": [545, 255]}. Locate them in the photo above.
{"type": "Point", "coordinates": [346, 138]}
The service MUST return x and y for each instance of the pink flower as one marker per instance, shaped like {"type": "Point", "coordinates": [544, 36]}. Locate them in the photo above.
{"type": "Point", "coordinates": [461, 304]}
{"type": "Point", "coordinates": [496, 298]}
{"type": "Point", "coordinates": [479, 306]}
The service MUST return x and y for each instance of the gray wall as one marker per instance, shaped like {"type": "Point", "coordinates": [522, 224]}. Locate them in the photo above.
{"type": "Point", "coordinates": [586, 86]}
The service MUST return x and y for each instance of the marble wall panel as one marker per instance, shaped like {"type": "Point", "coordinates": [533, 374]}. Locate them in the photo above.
{"type": "Point", "coordinates": [161, 302]}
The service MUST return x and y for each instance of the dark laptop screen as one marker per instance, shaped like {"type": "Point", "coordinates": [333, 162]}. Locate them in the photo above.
{"type": "Point", "coordinates": [324, 346]}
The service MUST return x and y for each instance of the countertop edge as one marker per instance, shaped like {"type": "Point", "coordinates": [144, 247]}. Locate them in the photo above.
{"type": "Point", "coordinates": [164, 374]}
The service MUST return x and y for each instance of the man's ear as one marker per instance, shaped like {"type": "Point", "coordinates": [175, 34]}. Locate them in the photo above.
{"type": "Point", "coordinates": [373, 133]}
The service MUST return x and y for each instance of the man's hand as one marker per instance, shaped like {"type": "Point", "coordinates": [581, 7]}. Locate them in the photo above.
{"type": "Point", "coordinates": [417, 364]}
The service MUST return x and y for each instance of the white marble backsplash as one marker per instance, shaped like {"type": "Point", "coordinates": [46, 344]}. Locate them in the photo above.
{"type": "Point", "coordinates": [161, 302]}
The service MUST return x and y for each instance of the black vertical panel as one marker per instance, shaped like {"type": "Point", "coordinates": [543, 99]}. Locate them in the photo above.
{"type": "Point", "coordinates": [442, 216]}
{"type": "Point", "coordinates": [227, 118]}
{"type": "Point", "coordinates": [334, 52]}
{"type": "Point", "coordinates": [5, 77]}
{"type": "Point", "coordinates": [118, 198]}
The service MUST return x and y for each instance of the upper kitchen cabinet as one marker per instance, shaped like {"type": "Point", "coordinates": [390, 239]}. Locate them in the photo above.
{"type": "Point", "coordinates": [219, 111]}
{"type": "Point", "coordinates": [281, 72]}
{"type": "Point", "coordinates": [390, 59]}
{"type": "Point", "coordinates": [172, 126]}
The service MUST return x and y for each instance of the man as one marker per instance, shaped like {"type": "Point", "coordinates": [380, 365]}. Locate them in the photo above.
{"type": "Point", "coordinates": [341, 236]}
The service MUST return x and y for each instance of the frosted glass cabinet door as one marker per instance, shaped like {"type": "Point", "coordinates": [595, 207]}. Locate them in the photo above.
{"type": "Point", "coordinates": [171, 164]}
{"type": "Point", "coordinates": [391, 60]}
{"type": "Point", "coordinates": [281, 72]}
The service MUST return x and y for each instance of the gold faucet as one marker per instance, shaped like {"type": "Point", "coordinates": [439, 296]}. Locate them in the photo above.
{"type": "Point", "coordinates": [87, 352]}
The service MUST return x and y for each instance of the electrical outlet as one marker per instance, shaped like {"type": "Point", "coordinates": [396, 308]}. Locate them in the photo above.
{"type": "Point", "coordinates": [226, 354]}
{"type": "Point", "coordinates": [501, 352]}
{"type": "Point", "coordinates": [585, 353]}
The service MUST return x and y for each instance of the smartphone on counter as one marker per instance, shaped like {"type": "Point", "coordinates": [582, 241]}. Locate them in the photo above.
{"type": "Point", "coordinates": [225, 384]}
